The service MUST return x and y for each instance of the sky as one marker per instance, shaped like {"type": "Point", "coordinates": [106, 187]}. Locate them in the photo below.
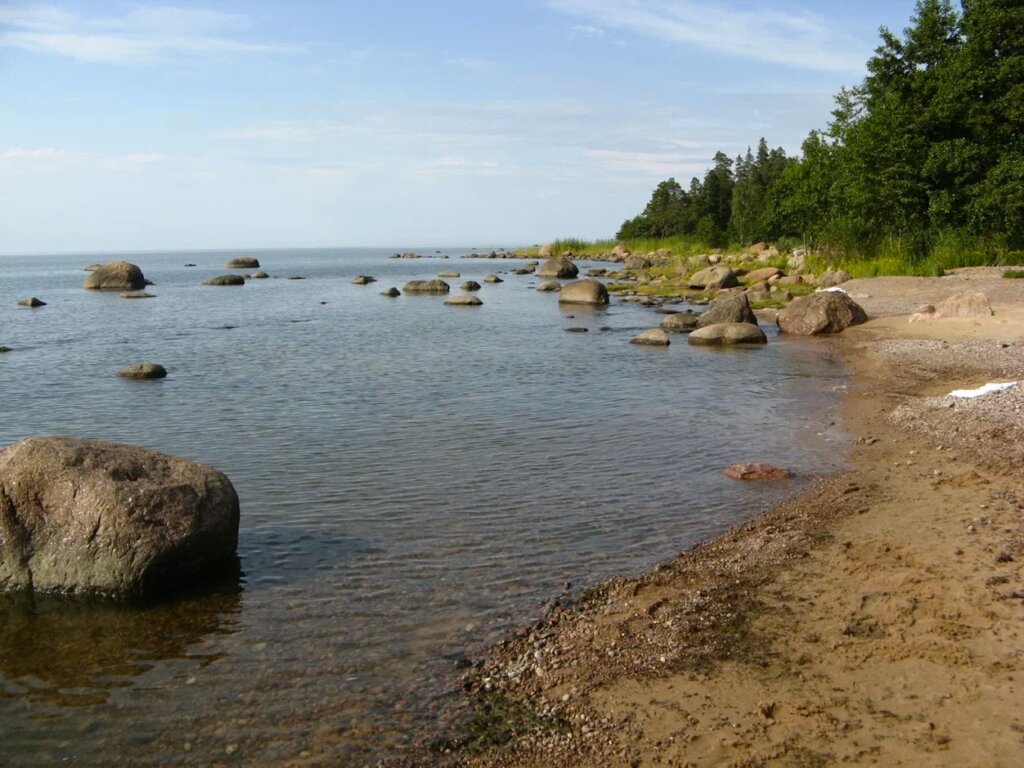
{"type": "Point", "coordinates": [304, 123]}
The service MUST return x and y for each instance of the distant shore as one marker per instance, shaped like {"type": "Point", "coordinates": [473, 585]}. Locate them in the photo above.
{"type": "Point", "coordinates": [876, 618]}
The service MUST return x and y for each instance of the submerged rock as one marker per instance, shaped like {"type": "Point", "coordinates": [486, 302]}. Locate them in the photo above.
{"type": "Point", "coordinates": [463, 300]}
{"type": "Point", "coordinates": [549, 286]}
{"type": "Point", "coordinates": [143, 371]}
{"type": "Point", "coordinates": [85, 516]}
{"type": "Point", "coordinates": [115, 276]}
{"type": "Point", "coordinates": [756, 471]}
{"type": "Point", "coordinates": [225, 280]}
{"type": "Point", "coordinates": [655, 337]}
{"type": "Point", "coordinates": [449, 273]}
{"type": "Point", "coordinates": [682, 322]}
{"type": "Point", "coordinates": [426, 286]}
{"type": "Point", "coordinates": [137, 295]}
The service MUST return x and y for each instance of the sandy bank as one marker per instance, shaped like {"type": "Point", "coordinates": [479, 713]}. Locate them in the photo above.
{"type": "Point", "coordinates": [876, 619]}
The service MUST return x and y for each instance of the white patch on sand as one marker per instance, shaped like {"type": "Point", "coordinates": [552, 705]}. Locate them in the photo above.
{"type": "Point", "coordinates": [984, 390]}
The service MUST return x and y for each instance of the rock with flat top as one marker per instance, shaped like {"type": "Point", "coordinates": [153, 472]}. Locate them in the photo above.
{"type": "Point", "coordinates": [426, 286]}
{"type": "Point", "coordinates": [137, 295]}
{"type": "Point", "coordinates": [714, 278]}
{"type": "Point", "coordinates": [463, 300]}
{"type": "Point", "coordinates": [682, 322]}
{"type": "Point", "coordinates": [728, 334]}
{"type": "Point", "coordinates": [86, 516]}
{"type": "Point", "coordinates": [225, 280]}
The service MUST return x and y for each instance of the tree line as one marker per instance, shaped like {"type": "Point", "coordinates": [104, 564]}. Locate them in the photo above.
{"type": "Point", "coordinates": [929, 148]}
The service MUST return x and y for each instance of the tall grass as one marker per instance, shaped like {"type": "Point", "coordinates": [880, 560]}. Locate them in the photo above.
{"type": "Point", "coordinates": [679, 246]}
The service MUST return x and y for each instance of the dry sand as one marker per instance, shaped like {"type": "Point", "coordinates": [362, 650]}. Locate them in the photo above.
{"type": "Point", "coordinates": [877, 619]}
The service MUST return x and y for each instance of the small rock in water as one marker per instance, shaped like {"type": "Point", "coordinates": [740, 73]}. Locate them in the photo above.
{"type": "Point", "coordinates": [577, 329]}
{"type": "Point", "coordinates": [31, 302]}
{"type": "Point", "coordinates": [225, 280]}
{"type": "Point", "coordinates": [364, 280]}
{"type": "Point", "coordinates": [655, 337]}
{"type": "Point", "coordinates": [137, 295]}
{"type": "Point", "coordinates": [470, 285]}
{"type": "Point", "coordinates": [463, 300]}
{"type": "Point", "coordinates": [391, 292]}
{"type": "Point", "coordinates": [296, 277]}
{"type": "Point", "coordinates": [143, 371]}
{"type": "Point", "coordinates": [757, 471]}
{"type": "Point", "coordinates": [493, 279]}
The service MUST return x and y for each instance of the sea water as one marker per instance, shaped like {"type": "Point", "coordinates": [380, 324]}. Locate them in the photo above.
{"type": "Point", "coordinates": [415, 480]}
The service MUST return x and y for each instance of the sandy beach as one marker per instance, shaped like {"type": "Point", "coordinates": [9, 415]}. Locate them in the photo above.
{"type": "Point", "coordinates": [876, 619]}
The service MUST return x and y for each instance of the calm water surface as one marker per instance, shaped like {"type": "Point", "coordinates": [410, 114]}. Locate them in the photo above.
{"type": "Point", "coordinates": [415, 479]}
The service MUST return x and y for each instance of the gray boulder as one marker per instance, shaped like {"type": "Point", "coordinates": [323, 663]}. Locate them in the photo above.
{"type": "Point", "coordinates": [549, 286]}
{"type": "Point", "coordinates": [560, 267]}
{"type": "Point", "coordinates": [449, 273]}
{"type": "Point", "coordinates": [225, 280]}
{"type": "Point", "coordinates": [819, 313]}
{"type": "Point", "coordinates": [32, 301]}
{"type": "Point", "coordinates": [529, 269]}
{"type": "Point", "coordinates": [85, 516]}
{"type": "Point", "coordinates": [733, 308]}
{"type": "Point", "coordinates": [261, 275]}
{"type": "Point", "coordinates": [391, 292]}
{"type": "Point", "coordinates": [493, 279]}
{"type": "Point", "coordinates": [715, 278]}
{"type": "Point", "coordinates": [364, 280]}
{"type": "Point", "coordinates": [727, 334]}
{"type": "Point", "coordinates": [463, 300]}
{"type": "Point", "coordinates": [115, 276]}
{"type": "Point", "coordinates": [470, 285]}
{"type": "Point", "coordinates": [683, 322]}
{"type": "Point", "coordinates": [835, 277]}
{"type": "Point", "coordinates": [588, 291]}
{"type": "Point", "coordinates": [765, 273]}
{"type": "Point", "coordinates": [244, 262]}
{"type": "Point", "coordinates": [143, 371]}
{"type": "Point", "coordinates": [426, 286]}
{"type": "Point", "coordinates": [655, 337]}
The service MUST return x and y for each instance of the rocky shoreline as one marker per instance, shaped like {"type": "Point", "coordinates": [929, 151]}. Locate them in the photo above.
{"type": "Point", "coordinates": [874, 619]}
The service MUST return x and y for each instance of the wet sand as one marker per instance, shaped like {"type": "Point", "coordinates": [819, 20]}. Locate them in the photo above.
{"type": "Point", "coordinates": [876, 619]}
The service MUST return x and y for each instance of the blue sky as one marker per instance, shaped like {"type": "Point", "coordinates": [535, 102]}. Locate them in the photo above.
{"type": "Point", "coordinates": [141, 125]}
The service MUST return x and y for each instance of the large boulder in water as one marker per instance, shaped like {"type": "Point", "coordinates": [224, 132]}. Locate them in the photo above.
{"type": "Point", "coordinates": [426, 286]}
{"type": "Point", "coordinates": [682, 322]}
{"type": "Point", "coordinates": [115, 276]}
{"type": "Point", "coordinates": [587, 291]}
{"type": "Point", "coordinates": [731, 308]}
{"type": "Point", "coordinates": [85, 516]}
{"type": "Point", "coordinates": [821, 312]}
{"type": "Point", "coordinates": [244, 262]}
{"type": "Point", "coordinates": [143, 371]}
{"type": "Point", "coordinates": [560, 267]}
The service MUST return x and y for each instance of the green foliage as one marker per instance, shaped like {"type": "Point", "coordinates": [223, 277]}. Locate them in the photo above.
{"type": "Point", "coordinates": [1014, 274]}
{"type": "Point", "coordinates": [920, 170]}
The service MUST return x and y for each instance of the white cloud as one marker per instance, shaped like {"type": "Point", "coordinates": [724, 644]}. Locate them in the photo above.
{"type": "Point", "coordinates": [284, 131]}
{"type": "Point", "coordinates": [586, 30]}
{"type": "Point", "coordinates": [649, 164]}
{"type": "Point", "coordinates": [460, 165]}
{"type": "Point", "coordinates": [132, 161]}
{"type": "Point", "coordinates": [142, 35]}
{"type": "Point", "coordinates": [44, 153]}
{"type": "Point", "coordinates": [474, 65]}
{"type": "Point", "coordinates": [804, 40]}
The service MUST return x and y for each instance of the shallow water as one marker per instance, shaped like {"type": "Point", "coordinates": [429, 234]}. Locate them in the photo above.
{"type": "Point", "coordinates": [414, 479]}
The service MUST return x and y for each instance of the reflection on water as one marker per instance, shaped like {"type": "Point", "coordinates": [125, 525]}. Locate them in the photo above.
{"type": "Point", "coordinates": [413, 480]}
{"type": "Point", "coordinates": [71, 653]}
